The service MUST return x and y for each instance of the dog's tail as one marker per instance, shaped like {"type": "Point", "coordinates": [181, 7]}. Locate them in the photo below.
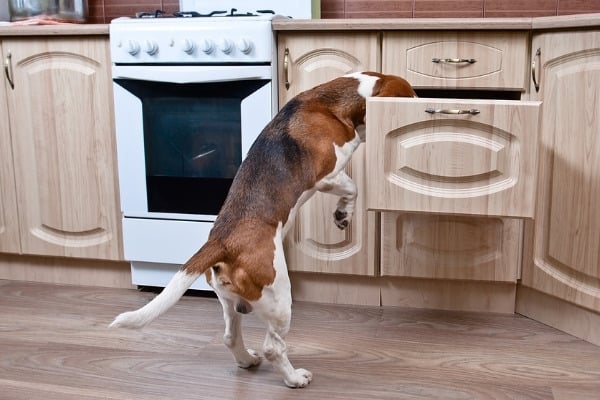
{"type": "Point", "coordinates": [210, 254]}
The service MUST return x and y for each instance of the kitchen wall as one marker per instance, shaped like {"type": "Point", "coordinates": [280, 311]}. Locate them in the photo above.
{"type": "Point", "coordinates": [102, 11]}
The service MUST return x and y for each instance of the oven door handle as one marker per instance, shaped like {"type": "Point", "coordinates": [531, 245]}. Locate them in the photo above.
{"type": "Point", "coordinates": [192, 73]}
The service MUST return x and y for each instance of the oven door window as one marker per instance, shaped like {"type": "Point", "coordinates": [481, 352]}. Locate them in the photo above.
{"type": "Point", "coordinates": [192, 141]}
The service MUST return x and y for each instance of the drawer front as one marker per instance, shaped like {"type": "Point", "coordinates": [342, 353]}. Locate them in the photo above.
{"type": "Point", "coordinates": [480, 163]}
{"type": "Point", "coordinates": [450, 247]}
{"type": "Point", "coordinates": [465, 60]}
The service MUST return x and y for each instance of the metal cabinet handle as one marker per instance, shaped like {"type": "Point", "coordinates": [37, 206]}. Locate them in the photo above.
{"type": "Point", "coordinates": [472, 111]}
{"type": "Point", "coordinates": [454, 60]}
{"type": "Point", "coordinates": [536, 84]}
{"type": "Point", "coordinates": [8, 70]}
{"type": "Point", "coordinates": [286, 60]}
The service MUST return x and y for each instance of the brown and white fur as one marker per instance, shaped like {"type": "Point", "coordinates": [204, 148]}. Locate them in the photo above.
{"type": "Point", "coordinates": [302, 150]}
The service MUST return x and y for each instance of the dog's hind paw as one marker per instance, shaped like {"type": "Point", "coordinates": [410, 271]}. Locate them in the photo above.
{"type": "Point", "coordinates": [252, 360]}
{"type": "Point", "coordinates": [299, 379]}
{"type": "Point", "coordinates": [341, 219]}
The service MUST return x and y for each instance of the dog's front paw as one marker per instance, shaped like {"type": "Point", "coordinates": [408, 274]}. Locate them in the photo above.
{"type": "Point", "coordinates": [299, 379]}
{"type": "Point", "coordinates": [252, 360]}
{"type": "Point", "coordinates": [341, 219]}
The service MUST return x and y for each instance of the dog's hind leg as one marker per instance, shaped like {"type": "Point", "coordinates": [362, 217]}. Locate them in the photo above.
{"type": "Point", "coordinates": [275, 309]}
{"type": "Point", "coordinates": [233, 339]}
{"type": "Point", "coordinates": [275, 350]}
{"type": "Point", "coordinates": [343, 186]}
{"type": "Point", "coordinates": [277, 316]}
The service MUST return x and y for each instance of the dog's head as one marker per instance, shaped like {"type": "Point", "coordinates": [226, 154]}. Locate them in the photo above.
{"type": "Point", "coordinates": [375, 84]}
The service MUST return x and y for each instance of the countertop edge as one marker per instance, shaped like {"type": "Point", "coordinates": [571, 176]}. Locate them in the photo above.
{"type": "Point", "coordinates": [567, 21]}
{"type": "Point", "coordinates": [281, 24]}
{"type": "Point", "coordinates": [382, 24]}
{"type": "Point", "coordinates": [49, 30]}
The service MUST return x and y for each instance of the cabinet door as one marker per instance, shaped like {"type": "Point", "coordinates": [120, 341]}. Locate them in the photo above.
{"type": "Point", "coordinates": [309, 59]}
{"type": "Point", "coordinates": [63, 147]}
{"type": "Point", "coordinates": [425, 155]}
{"type": "Point", "coordinates": [450, 247]}
{"type": "Point", "coordinates": [314, 243]}
{"type": "Point", "coordinates": [9, 223]}
{"type": "Point", "coordinates": [566, 257]}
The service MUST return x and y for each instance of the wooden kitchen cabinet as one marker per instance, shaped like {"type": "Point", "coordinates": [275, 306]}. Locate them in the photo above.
{"type": "Point", "coordinates": [563, 261]}
{"type": "Point", "coordinates": [61, 125]}
{"type": "Point", "coordinates": [308, 59]}
{"type": "Point", "coordinates": [9, 223]}
{"type": "Point", "coordinates": [314, 243]}
{"type": "Point", "coordinates": [448, 183]}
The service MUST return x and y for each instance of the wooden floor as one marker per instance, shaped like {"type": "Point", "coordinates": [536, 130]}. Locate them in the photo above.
{"type": "Point", "coordinates": [55, 344]}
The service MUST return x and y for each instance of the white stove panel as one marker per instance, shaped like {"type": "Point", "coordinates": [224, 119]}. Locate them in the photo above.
{"type": "Point", "coordinates": [191, 40]}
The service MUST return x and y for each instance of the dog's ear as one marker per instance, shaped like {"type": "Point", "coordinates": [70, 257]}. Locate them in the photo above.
{"type": "Point", "coordinates": [392, 86]}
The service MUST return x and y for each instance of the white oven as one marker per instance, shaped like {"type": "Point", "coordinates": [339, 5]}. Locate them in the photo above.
{"type": "Point", "coordinates": [191, 95]}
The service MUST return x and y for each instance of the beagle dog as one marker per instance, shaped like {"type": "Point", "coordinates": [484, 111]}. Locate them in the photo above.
{"type": "Point", "coordinates": [304, 149]}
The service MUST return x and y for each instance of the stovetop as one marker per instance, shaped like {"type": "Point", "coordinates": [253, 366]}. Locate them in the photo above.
{"type": "Point", "coordinates": [196, 14]}
{"type": "Point", "coordinates": [192, 40]}
{"type": "Point", "coordinates": [298, 9]}
{"type": "Point", "coordinates": [222, 34]}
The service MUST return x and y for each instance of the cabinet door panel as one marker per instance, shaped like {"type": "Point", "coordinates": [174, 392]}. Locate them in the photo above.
{"type": "Point", "coordinates": [566, 256]}
{"type": "Point", "coordinates": [314, 243]}
{"type": "Point", "coordinates": [306, 60]}
{"type": "Point", "coordinates": [450, 247]}
{"type": "Point", "coordinates": [64, 147]}
{"type": "Point", "coordinates": [480, 164]}
{"type": "Point", "coordinates": [9, 223]}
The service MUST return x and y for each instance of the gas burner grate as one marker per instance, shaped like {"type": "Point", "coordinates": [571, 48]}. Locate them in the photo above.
{"type": "Point", "coordinates": [194, 14]}
{"type": "Point", "coordinates": [150, 14]}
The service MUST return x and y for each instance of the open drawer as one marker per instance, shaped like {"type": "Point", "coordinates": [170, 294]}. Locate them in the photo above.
{"type": "Point", "coordinates": [474, 157]}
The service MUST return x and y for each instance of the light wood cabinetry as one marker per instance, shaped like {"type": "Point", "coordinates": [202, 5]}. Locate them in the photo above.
{"type": "Point", "coordinates": [480, 163]}
{"type": "Point", "coordinates": [424, 156]}
{"type": "Point", "coordinates": [564, 260]}
{"type": "Point", "coordinates": [9, 224]}
{"type": "Point", "coordinates": [488, 153]}
{"type": "Point", "coordinates": [484, 60]}
{"type": "Point", "coordinates": [443, 189]}
{"type": "Point", "coordinates": [315, 244]}
{"type": "Point", "coordinates": [61, 125]}
{"type": "Point", "coordinates": [308, 59]}
{"type": "Point", "coordinates": [450, 247]}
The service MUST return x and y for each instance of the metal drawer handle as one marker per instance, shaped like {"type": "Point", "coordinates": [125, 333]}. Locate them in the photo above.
{"type": "Point", "coordinates": [536, 84]}
{"type": "Point", "coordinates": [454, 60]}
{"type": "Point", "coordinates": [286, 61]}
{"type": "Point", "coordinates": [472, 111]}
{"type": "Point", "coordinates": [7, 70]}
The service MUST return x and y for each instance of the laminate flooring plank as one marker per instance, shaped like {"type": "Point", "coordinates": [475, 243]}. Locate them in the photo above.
{"type": "Point", "coordinates": [55, 344]}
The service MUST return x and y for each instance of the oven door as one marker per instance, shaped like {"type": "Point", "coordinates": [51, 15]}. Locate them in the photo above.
{"type": "Point", "coordinates": [182, 132]}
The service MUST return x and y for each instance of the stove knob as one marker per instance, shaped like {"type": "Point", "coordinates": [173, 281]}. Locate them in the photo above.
{"type": "Point", "coordinates": [226, 46]}
{"type": "Point", "coordinates": [244, 45]}
{"type": "Point", "coordinates": [207, 46]}
{"type": "Point", "coordinates": [133, 47]}
{"type": "Point", "coordinates": [151, 47]}
{"type": "Point", "coordinates": [188, 46]}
